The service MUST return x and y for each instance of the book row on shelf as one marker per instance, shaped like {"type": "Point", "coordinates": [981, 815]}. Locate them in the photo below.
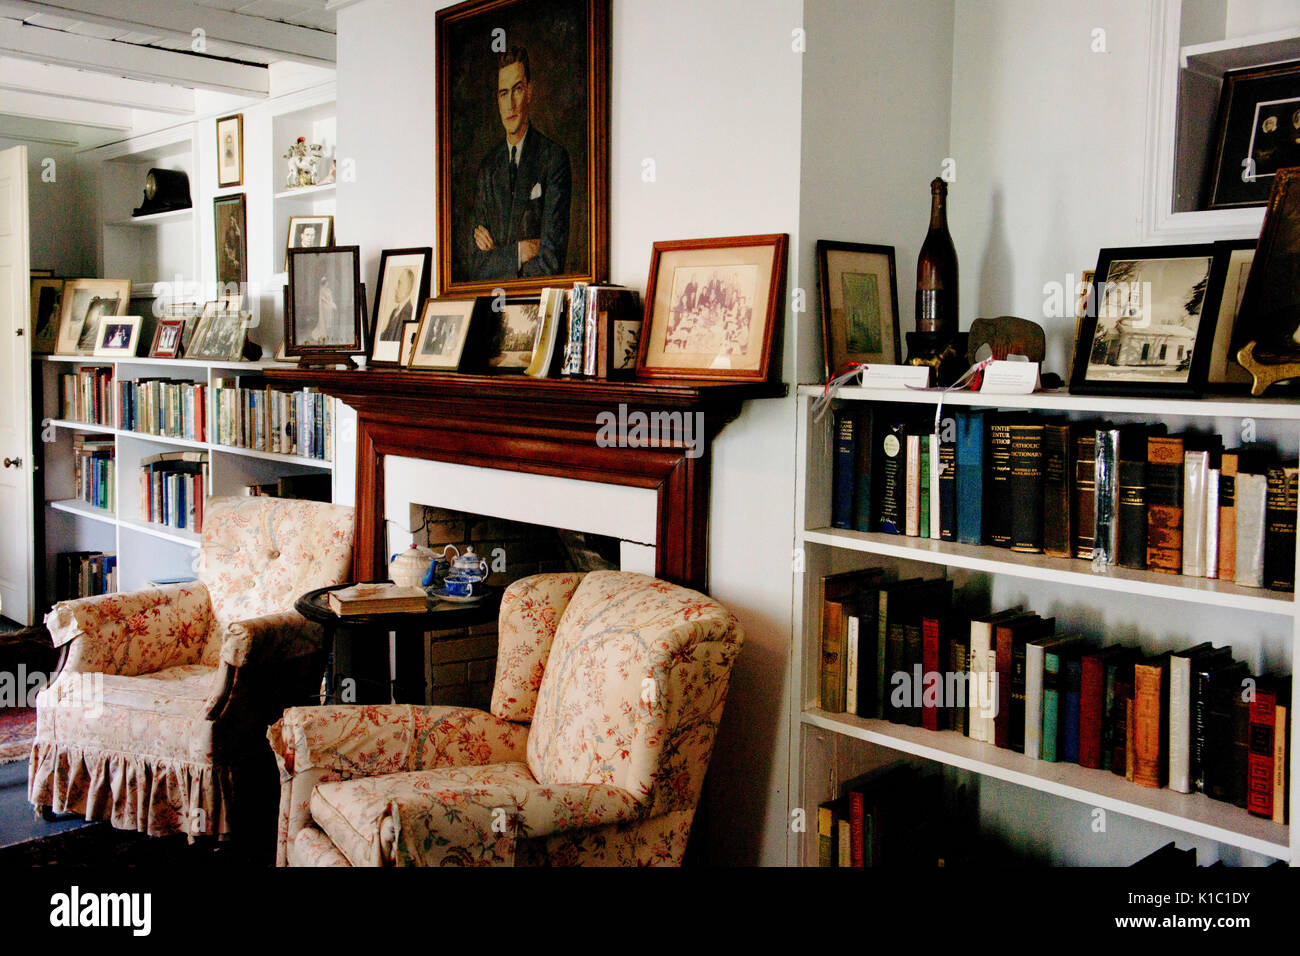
{"type": "Point", "coordinates": [1192, 720]}
{"type": "Point", "coordinates": [251, 414]}
{"type": "Point", "coordinates": [161, 406]}
{"type": "Point", "coordinates": [94, 470]}
{"type": "Point", "coordinates": [80, 574]}
{"type": "Point", "coordinates": [172, 486]}
{"type": "Point", "coordinates": [86, 395]}
{"type": "Point", "coordinates": [303, 487]}
{"type": "Point", "coordinates": [1129, 495]}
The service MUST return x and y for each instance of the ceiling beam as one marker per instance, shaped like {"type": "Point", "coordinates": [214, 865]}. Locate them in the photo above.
{"type": "Point", "coordinates": [180, 18]}
{"type": "Point", "coordinates": [24, 76]}
{"type": "Point", "coordinates": [58, 109]}
{"type": "Point", "coordinates": [27, 42]}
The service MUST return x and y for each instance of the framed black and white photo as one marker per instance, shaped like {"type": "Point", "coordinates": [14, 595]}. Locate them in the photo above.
{"type": "Point", "coordinates": [403, 287]}
{"type": "Point", "coordinates": [85, 303]}
{"type": "Point", "coordinates": [444, 330]}
{"type": "Point", "coordinates": [221, 333]}
{"type": "Point", "coordinates": [323, 317]}
{"type": "Point", "coordinates": [1257, 133]}
{"type": "Point", "coordinates": [230, 151]}
{"type": "Point", "coordinates": [118, 337]}
{"type": "Point", "coordinates": [508, 327]}
{"type": "Point", "coordinates": [308, 232]}
{"type": "Point", "coordinates": [1147, 330]}
{"type": "Point", "coordinates": [230, 224]}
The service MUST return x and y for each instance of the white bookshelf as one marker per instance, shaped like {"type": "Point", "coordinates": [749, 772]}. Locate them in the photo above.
{"type": "Point", "coordinates": [1115, 605]}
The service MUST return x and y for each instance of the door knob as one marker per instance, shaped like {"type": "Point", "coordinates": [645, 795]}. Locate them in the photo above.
{"type": "Point", "coordinates": [13, 462]}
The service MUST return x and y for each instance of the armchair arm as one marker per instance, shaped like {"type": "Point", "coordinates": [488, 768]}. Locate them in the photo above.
{"type": "Point", "coordinates": [272, 638]}
{"type": "Point", "coordinates": [134, 633]}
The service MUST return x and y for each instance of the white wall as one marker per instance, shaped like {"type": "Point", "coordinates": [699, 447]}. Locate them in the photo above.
{"type": "Point", "coordinates": [711, 92]}
{"type": "Point", "coordinates": [59, 203]}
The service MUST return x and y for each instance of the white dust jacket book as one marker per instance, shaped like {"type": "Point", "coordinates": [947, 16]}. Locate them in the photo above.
{"type": "Point", "coordinates": [982, 663]}
{"type": "Point", "coordinates": [851, 652]}
{"type": "Point", "coordinates": [1034, 696]}
{"type": "Point", "coordinates": [1195, 465]}
{"type": "Point", "coordinates": [1252, 491]}
{"type": "Point", "coordinates": [1180, 719]}
{"type": "Point", "coordinates": [1212, 523]}
{"type": "Point", "coordinates": [912, 525]}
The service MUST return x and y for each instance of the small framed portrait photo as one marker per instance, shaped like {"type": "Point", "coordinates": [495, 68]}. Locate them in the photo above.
{"type": "Point", "coordinates": [1150, 322]}
{"type": "Point", "coordinates": [308, 232]}
{"type": "Point", "coordinates": [403, 287]}
{"type": "Point", "coordinates": [323, 317]}
{"type": "Point", "coordinates": [85, 303]}
{"type": "Point", "coordinates": [444, 330]}
{"type": "Point", "coordinates": [713, 307]}
{"type": "Point", "coordinates": [118, 337]}
{"type": "Point", "coordinates": [1257, 133]}
{"type": "Point", "coordinates": [221, 333]}
{"type": "Point", "coordinates": [167, 338]}
{"type": "Point", "coordinates": [230, 151]}
{"type": "Point", "coordinates": [859, 301]}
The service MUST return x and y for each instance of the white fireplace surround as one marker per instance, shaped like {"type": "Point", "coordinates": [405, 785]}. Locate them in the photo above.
{"type": "Point", "coordinates": [617, 511]}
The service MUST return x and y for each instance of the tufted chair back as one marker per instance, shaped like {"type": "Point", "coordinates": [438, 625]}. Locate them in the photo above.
{"type": "Point", "coordinates": [625, 689]}
{"type": "Point", "coordinates": [260, 554]}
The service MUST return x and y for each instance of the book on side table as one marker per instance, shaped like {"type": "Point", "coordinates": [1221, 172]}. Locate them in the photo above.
{"type": "Point", "coordinates": [382, 598]}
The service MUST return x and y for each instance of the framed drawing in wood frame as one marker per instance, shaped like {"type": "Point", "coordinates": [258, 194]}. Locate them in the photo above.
{"type": "Point", "coordinates": [859, 301]}
{"type": "Point", "coordinates": [1149, 325]}
{"type": "Point", "coordinates": [230, 229]}
{"type": "Point", "coordinates": [402, 288]}
{"type": "Point", "coordinates": [322, 320]}
{"type": "Point", "coordinates": [230, 151]}
{"type": "Point", "coordinates": [523, 145]}
{"type": "Point", "coordinates": [713, 308]}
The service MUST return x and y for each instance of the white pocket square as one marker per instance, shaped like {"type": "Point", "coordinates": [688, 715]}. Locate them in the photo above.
{"type": "Point", "coordinates": [537, 191]}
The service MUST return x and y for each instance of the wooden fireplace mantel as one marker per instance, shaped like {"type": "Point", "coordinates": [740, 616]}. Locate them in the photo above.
{"type": "Point", "coordinates": [541, 426]}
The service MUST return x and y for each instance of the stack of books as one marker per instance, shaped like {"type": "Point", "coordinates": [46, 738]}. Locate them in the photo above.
{"type": "Point", "coordinates": [94, 470]}
{"type": "Point", "coordinates": [252, 414]}
{"type": "Point", "coordinates": [172, 488]}
{"type": "Point", "coordinates": [81, 574]}
{"type": "Point", "coordinates": [86, 395]}
{"type": "Point", "coordinates": [1129, 495]}
{"type": "Point", "coordinates": [160, 406]}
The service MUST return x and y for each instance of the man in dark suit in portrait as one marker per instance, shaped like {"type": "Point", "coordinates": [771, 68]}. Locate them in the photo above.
{"type": "Point", "coordinates": [521, 204]}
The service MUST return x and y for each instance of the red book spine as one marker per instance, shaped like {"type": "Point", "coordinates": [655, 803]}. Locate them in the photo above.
{"type": "Point", "coordinates": [855, 827]}
{"type": "Point", "coordinates": [1002, 720]}
{"type": "Point", "coordinates": [1092, 696]}
{"type": "Point", "coordinates": [930, 664]}
{"type": "Point", "coordinates": [1259, 766]}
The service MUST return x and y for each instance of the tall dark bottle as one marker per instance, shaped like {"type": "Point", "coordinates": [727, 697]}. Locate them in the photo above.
{"type": "Point", "coordinates": [936, 272]}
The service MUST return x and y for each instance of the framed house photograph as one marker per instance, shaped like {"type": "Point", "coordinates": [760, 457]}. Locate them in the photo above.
{"type": "Point", "coordinates": [118, 337]}
{"type": "Point", "coordinates": [230, 151]}
{"type": "Point", "coordinates": [713, 308]}
{"type": "Point", "coordinates": [403, 287]}
{"type": "Point", "coordinates": [1232, 261]}
{"type": "Point", "coordinates": [509, 330]}
{"type": "Point", "coordinates": [859, 300]}
{"type": "Point", "coordinates": [85, 303]}
{"type": "Point", "coordinates": [523, 144]}
{"type": "Point", "coordinates": [167, 339]}
{"type": "Point", "coordinates": [230, 225]}
{"type": "Point", "coordinates": [1257, 133]}
{"type": "Point", "coordinates": [444, 330]}
{"type": "Point", "coordinates": [323, 318]}
{"type": "Point", "coordinates": [47, 296]}
{"type": "Point", "coordinates": [1270, 303]}
{"type": "Point", "coordinates": [221, 333]}
{"type": "Point", "coordinates": [1148, 329]}
{"type": "Point", "coordinates": [308, 232]}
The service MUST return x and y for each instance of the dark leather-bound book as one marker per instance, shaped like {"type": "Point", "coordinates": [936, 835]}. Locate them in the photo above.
{"type": "Point", "coordinates": [958, 654]}
{"type": "Point", "coordinates": [1241, 746]}
{"type": "Point", "coordinates": [936, 639]}
{"type": "Point", "coordinates": [1117, 694]}
{"type": "Point", "coordinates": [888, 597]}
{"type": "Point", "coordinates": [928, 596]}
{"type": "Point", "coordinates": [1085, 491]}
{"type": "Point", "coordinates": [1165, 503]}
{"type": "Point", "coordinates": [1092, 703]}
{"type": "Point", "coordinates": [997, 514]}
{"type": "Point", "coordinates": [846, 441]}
{"type": "Point", "coordinates": [1009, 647]}
{"type": "Point", "coordinates": [865, 478]}
{"type": "Point", "coordinates": [1071, 704]}
{"type": "Point", "coordinates": [1279, 529]}
{"type": "Point", "coordinates": [1151, 721]}
{"type": "Point", "coordinates": [1131, 507]}
{"type": "Point", "coordinates": [836, 590]}
{"type": "Point", "coordinates": [1260, 746]}
{"type": "Point", "coordinates": [972, 441]}
{"type": "Point", "coordinates": [1203, 671]}
{"type": "Point", "coordinates": [1025, 486]}
{"type": "Point", "coordinates": [1217, 758]}
{"type": "Point", "coordinates": [1058, 490]}
{"type": "Point", "coordinates": [947, 483]}
{"type": "Point", "coordinates": [893, 477]}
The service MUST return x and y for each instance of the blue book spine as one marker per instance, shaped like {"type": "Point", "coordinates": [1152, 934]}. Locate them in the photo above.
{"type": "Point", "coordinates": [970, 476]}
{"type": "Point", "coordinates": [846, 440]}
{"type": "Point", "coordinates": [1073, 694]}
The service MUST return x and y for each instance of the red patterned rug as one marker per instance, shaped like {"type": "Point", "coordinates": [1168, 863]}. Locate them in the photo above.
{"type": "Point", "coordinates": [17, 731]}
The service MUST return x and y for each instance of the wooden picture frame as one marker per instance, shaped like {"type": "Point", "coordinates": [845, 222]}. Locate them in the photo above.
{"type": "Point", "coordinates": [230, 237]}
{"type": "Point", "coordinates": [551, 227]}
{"type": "Point", "coordinates": [1270, 304]}
{"type": "Point", "coordinates": [84, 303]}
{"type": "Point", "coordinates": [168, 338]}
{"type": "Point", "coordinates": [1232, 264]}
{"type": "Point", "coordinates": [221, 334]}
{"type": "Point", "coordinates": [47, 297]}
{"type": "Point", "coordinates": [1255, 134]}
{"type": "Point", "coordinates": [118, 337]}
{"type": "Point", "coordinates": [858, 288]}
{"type": "Point", "coordinates": [713, 308]}
{"type": "Point", "coordinates": [506, 332]}
{"type": "Point", "coordinates": [445, 326]}
{"type": "Point", "coordinates": [403, 286]}
{"type": "Point", "coordinates": [323, 317]}
{"type": "Point", "coordinates": [308, 232]}
{"type": "Point", "coordinates": [230, 151]}
{"type": "Point", "coordinates": [1149, 324]}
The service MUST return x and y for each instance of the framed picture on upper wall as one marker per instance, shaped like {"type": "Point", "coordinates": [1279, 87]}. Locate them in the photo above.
{"type": "Point", "coordinates": [1149, 326]}
{"type": "Point", "coordinates": [230, 227]}
{"type": "Point", "coordinates": [230, 151]}
{"type": "Point", "coordinates": [859, 300]}
{"type": "Point", "coordinates": [1257, 132]}
{"type": "Point", "coordinates": [523, 144]}
{"type": "Point", "coordinates": [403, 286]}
{"type": "Point", "coordinates": [713, 308]}
{"type": "Point", "coordinates": [85, 303]}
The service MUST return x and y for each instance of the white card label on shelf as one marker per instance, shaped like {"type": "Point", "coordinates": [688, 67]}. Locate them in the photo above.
{"type": "Point", "coordinates": [896, 376]}
{"type": "Point", "coordinates": [1010, 378]}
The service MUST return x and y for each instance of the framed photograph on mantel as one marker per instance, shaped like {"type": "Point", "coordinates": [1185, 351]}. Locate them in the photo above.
{"type": "Point", "coordinates": [323, 313]}
{"type": "Point", "coordinates": [403, 287]}
{"type": "Point", "coordinates": [859, 301]}
{"type": "Point", "coordinates": [713, 308]}
{"type": "Point", "coordinates": [1150, 323]}
{"type": "Point", "coordinates": [523, 144]}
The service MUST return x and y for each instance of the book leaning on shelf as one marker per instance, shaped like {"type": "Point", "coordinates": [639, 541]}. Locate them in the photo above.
{"type": "Point", "coordinates": [94, 470]}
{"type": "Point", "coordinates": [86, 395]}
{"type": "Point", "coordinates": [160, 406]}
{"type": "Point", "coordinates": [172, 489]}
{"type": "Point", "coordinates": [252, 414]}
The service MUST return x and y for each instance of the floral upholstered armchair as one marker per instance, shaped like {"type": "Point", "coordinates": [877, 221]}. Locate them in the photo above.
{"type": "Point", "coordinates": [165, 694]}
{"type": "Point", "coordinates": [609, 688]}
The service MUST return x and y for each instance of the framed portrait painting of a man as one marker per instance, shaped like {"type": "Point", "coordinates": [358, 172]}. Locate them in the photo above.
{"type": "Point", "coordinates": [403, 286]}
{"type": "Point", "coordinates": [523, 155]}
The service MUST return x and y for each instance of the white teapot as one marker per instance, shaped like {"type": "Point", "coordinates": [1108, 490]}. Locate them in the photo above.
{"type": "Point", "coordinates": [407, 567]}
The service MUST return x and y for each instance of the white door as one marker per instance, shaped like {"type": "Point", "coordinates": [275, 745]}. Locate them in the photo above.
{"type": "Point", "coordinates": [17, 571]}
